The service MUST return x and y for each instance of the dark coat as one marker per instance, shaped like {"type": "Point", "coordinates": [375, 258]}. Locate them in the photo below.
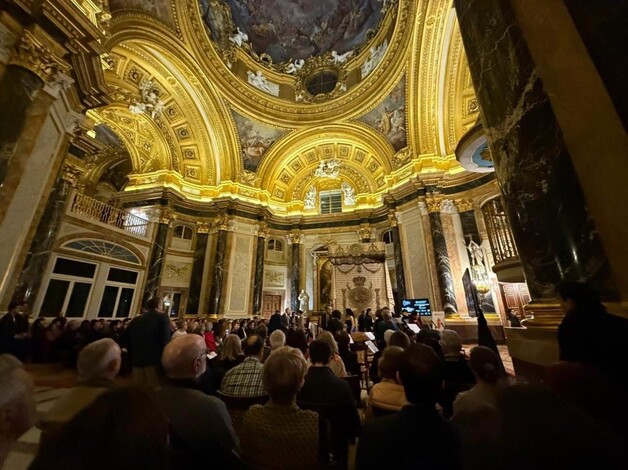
{"type": "Point", "coordinates": [147, 337]}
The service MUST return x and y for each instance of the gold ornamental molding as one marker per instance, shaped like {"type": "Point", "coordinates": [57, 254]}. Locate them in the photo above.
{"type": "Point", "coordinates": [433, 203]}
{"type": "Point", "coordinates": [38, 52]}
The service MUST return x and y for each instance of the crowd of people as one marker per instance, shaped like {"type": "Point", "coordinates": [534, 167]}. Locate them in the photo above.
{"type": "Point", "coordinates": [272, 395]}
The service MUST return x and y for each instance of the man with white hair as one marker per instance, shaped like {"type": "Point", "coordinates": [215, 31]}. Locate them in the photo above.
{"type": "Point", "coordinates": [200, 424]}
{"type": "Point", "coordinates": [17, 403]}
{"type": "Point", "coordinates": [277, 340]}
{"type": "Point", "coordinates": [98, 365]}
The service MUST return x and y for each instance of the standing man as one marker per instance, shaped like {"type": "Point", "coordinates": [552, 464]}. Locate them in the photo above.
{"type": "Point", "coordinates": [285, 319]}
{"type": "Point", "coordinates": [147, 336]}
{"type": "Point", "coordinates": [14, 336]}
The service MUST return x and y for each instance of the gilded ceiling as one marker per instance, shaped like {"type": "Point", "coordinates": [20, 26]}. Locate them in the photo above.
{"type": "Point", "coordinates": [210, 97]}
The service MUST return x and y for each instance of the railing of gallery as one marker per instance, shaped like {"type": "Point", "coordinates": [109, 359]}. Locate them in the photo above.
{"type": "Point", "coordinates": [499, 233]}
{"type": "Point", "coordinates": [107, 214]}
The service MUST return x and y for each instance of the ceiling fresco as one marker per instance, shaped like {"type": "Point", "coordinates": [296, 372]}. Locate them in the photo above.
{"type": "Point", "coordinates": [255, 140]}
{"type": "Point", "coordinates": [160, 9]}
{"type": "Point", "coordinates": [297, 29]}
{"type": "Point", "coordinates": [389, 117]}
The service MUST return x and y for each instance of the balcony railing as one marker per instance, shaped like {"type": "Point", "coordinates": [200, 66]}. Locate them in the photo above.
{"type": "Point", "coordinates": [104, 213]}
{"type": "Point", "coordinates": [499, 233]}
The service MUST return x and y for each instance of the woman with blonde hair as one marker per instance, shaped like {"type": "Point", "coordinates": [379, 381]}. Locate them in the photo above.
{"type": "Point", "coordinates": [336, 364]}
{"type": "Point", "coordinates": [230, 357]}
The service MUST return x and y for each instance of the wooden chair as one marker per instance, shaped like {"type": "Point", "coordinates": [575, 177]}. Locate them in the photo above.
{"type": "Point", "coordinates": [354, 383]}
{"type": "Point", "coordinates": [237, 406]}
{"type": "Point", "coordinates": [363, 357]}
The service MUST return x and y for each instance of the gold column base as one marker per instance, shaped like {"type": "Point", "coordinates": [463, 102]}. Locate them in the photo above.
{"type": "Point", "coordinates": [544, 316]}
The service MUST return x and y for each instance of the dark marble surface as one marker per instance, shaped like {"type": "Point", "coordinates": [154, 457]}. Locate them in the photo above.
{"type": "Point", "coordinates": [198, 268]}
{"type": "Point", "coordinates": [18, 89]}
{"type": "Point", "coordinates": [554, 233]}
{"type": "Point", "coordinates": [39, 252]}
{"type": "Point", "coordinates": [399, 271]}
{"type": "Point", "coordinates": [215, 293]}
{"type": "Point", "coordinates": [258, 281]}
{"type": "Point", "coordinates": [470, 227]}
{"type": "Point", "coordinates": [443, 267]}
{"type": "Point", "coordinates": [155, 265]}
{"type": "Point", "coordinates": [295, 276]}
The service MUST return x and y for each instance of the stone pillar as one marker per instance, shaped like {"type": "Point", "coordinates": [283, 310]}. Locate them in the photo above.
{"type": "Point", "coordinates": [41, 247]}
{"type": "Point", "coordinates": [551, 224]}
{"type": "Point", "coordinates": [443, 267]}
{"type": "Point", "coordinates": [157, 254]}
{"type": "Point", "coordinates": [215, 292]}
{"type": "Point", "coordinates": [198, 269]}
{"type": "Point", "coordinates": [399, 270]}
{"type": "Point", "coordinates": [296, 239]}
{"type": "Point", "coordinates": [28, 88]}
{"type": "Point", "coordinates": [258, 280]}
{"type": "Point", "coordinates": [364, 233]}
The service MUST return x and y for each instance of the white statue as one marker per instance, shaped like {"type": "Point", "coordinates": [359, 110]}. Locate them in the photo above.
{"type": "Point", "coordinates": [294, 67]}
{"type": "Point", "coordinates": [304, 301]}
{"type": "Point", "coordinates": [328, 169]}
{"type": "Point", "coordinates": [150, 102]}
{"type": "Point", "coordinates": [259, 81]}
{"type": "Point", "coordinates": [341, 58]}
{"type": "Point", "coordinates": [475, 254]}
{"type": "Point", "coordinates": [310, 199]}
{"type": "Point", "coordinates": [377, 53]}
{"type": "Point", "coordinates": [239, 38]}
{"type": "Point", "coordinates": [349, 194]}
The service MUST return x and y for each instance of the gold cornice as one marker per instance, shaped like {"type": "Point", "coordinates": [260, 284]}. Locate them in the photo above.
{"type": "Point", "coordinates": [246, 98]}
{"type": "Point", "coordinates": [38, 52]}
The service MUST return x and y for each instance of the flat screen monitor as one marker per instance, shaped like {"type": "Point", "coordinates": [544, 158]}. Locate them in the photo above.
{"type": "Point", "coordinates": [420, 306]}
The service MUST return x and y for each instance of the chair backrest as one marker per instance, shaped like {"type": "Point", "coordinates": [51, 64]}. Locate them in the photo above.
{"type": "Point", "coordinates": [356, 389]}
{"type": "Point", "coordinates": [378, 412]}
{"type": "Point", "coordinates": [242, 403]}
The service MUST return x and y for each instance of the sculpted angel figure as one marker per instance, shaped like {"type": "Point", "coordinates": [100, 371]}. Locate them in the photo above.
{"type": "Point", "coordinates": [259, 81]}
{"type": "Point", "coordinates": [349, 194]}
{"type": "Point", "coordinates": [341, 58]}
{"type": "Point", "coordinates": [239, 38]}
{"type": "Point", "coordinates": [310, 199]}
{"type": "Point", "coordinates": [294, 67]}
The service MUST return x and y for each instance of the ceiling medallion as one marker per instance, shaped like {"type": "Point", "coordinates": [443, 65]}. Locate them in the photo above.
{"type": "Point", "coordinates": [321, 78]}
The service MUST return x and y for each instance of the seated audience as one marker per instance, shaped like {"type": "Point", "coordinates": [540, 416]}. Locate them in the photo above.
{"type": "Point", "coordinates": [387, 394]}
{"type": "Point", "coordinates": [210, 339]}
{"type": "Point", "coordinates": [17, 403]}
{"type": "Point", "coordinates": [298, 339]}
{"type": "Point", "coordinates": [230, 357]}
{"type": "Point", "coordinates": [391, 338]}
{"type": "Point", "coordinates": [121, 429]}
{"type": "Point", "coordinates": [245, 380]}
{"type": "Point", "coordinates": [200, 424]}
{"type": "Point", "coordinates": [458, 375]}
{"type": "Point", "coordinates": [324, 390]}
{"type": "Point", "coordinates": [98, 365]}
{"type": "Point", "coordinates": [277, 340]}
{"type": "Point", "coordinates": [335, 363]}
{"type": "Point", "coordinates": [487, 371]}
{"type": "Point", "coordinates": [349, 358]}
{"type": "Point", "coordinates": [385, 324]}
{"type": "Point", "coordinates": [421, 374]}
{"type": "Point", "coordinates": [279, 435]}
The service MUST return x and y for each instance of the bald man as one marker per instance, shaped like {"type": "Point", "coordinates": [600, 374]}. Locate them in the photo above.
{"type": "Point", "coordinates": [200, 423]}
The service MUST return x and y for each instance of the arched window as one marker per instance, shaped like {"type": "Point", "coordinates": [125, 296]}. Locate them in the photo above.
{"type": "Point", "coordinates": [103, 248]}
{"type": "Point", "coordinates": [182, 236]}
{"type": "Point", "coordinates": [274, 250]}
{"type": "Point", "coordinates": [183, 232]}
{"type": "Point", "coordinates": [275, 245]}
{"type": "Point", "coordinates": [387, 236]}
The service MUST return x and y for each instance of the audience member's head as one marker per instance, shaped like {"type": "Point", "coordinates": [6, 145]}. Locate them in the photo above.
{"type": "Point", "coordinates": [579, 296]}
{"type": "Point", "coordinates": [99, 360]}
{"type": "Point", "coordinates": [450, 343]}
{"type": "Point", "coordinates": [121, 429]}
{"type": "Point", "coordinates": [232, 348]}
{"type": "Point", "coordinates": [343, 339]}
{"type": "Point", "coordinates": [253, 346]}
{"type": "Point", "coordinates": [430, 338]}
{"type": "Point", "coordinates": [485, 365]}
{"type": "Point", "coordinates": [17, 403]}
{"type": "Point", "coordinates": [185, 357]}
{"type": "Point", "coordinates": [387, 335]}
{"type": "Point", "coordinates": [421, 374]}
{"type": "Point", "coordinates": [400, 339]}
{"type": "Point", "coordinates": [261, 331]}
{"type": "Point", "coordinates": [386, 315]}
{"type": "Point", "coordinates": [277, 340]}
{"type": "Point", "coordinates": [155, 303]}
{"type": "Point", "coordinates": [283, 375]}
{"type": "Point", "coordinates": [320, 352]}
{"type": "Point", "coordinates": [297, 339]}
{"type": "Point", "coordinates": [336, 314]}
{"type": "Point", "coordinates": [329, 339]}
{"type": "Point", "coordinates": [388, 364]}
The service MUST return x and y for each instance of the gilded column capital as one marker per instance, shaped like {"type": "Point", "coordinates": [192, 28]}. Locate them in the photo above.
{"type": "Point", "coordinates": [447, 206]}
{"type": "Point", "coordinates": [464, 205]}
{"type": "Point", "coordinates": [71, 174]}
{"type": "Point", "coordinates": [167, 217]}
{"type": "Point", "coordinates": [295, 237]}
{"type": "Point", "coordinates": [364, 232]}
{"type": "Point", "coordinates": [38, 52]}
{"type": "Point", "coordinates": [262, 230]}
{"type": "Point", "coordinates": [392, 219]}
{"type": "Point", "coordinates": [223, 223]}
{"type": "Point", "coordinates": [433, 203]}
{"type": "Point", "coordinates": [202, 227]}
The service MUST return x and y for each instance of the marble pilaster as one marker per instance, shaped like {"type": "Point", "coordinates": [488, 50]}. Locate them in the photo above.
{"type": "Point", "coordinates": [554, 232]}
{"type": "Point", "coordinates": [258, 280]}
{"type": "Point", "coordinates": [198, 269]}
{"type": "Point", "coordinates": [399, 268]}
{"type": "Point", "coordinates": [41, 246]}
{"type": "Point", "coordinates": [443, 266]}
{"type": "Point", "coordinates": [296, 239]}
{"type": "Point", "coordinates": [215, 292]}
{"type": "Point", "coordinates": [157, 256]}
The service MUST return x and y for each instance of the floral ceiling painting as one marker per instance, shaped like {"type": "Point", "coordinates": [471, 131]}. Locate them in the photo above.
{"type": "Point", "coordinates": [160, 9]}
{"type": "Point", "coordinates": [297, 29]}
{"type": "Point", "coordinates": [255, 140]}
{"type": "Point", "coordinates": [389, 117]}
